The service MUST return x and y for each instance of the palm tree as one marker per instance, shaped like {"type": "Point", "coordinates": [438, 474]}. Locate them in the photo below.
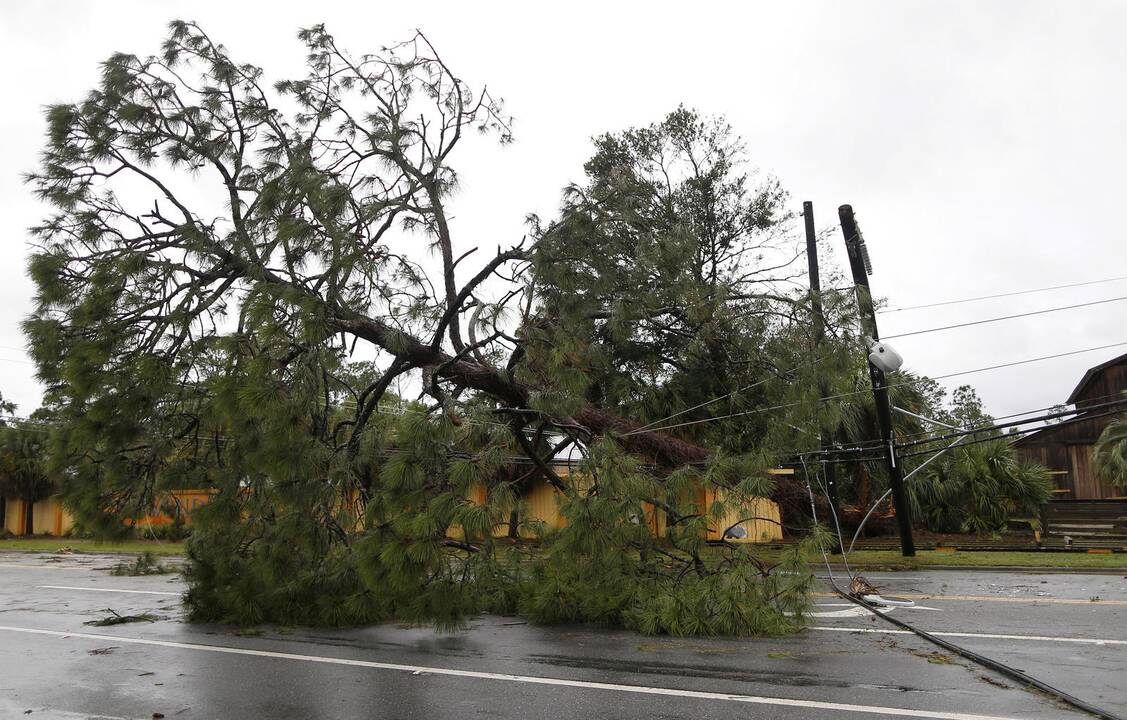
{"type": "Point", "coordinates": [1110, 453]}
{"type": "Point", "coordinates": [22, 470]}
{"type": "Point", "coordinates": [976, 488]}
{"type": "Point", "coordinates": [6, 408]}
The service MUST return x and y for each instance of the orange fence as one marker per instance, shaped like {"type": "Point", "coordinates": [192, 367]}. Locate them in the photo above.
{"type": "Point", "coordinates": [760, 518]}
{"type": "Point", "coordinates": [49, 516]}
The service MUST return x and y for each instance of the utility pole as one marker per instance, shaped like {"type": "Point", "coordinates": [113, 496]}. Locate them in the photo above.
{"type": "Point", "coordinates": [859, 264]}
{"type": "Point", "coordinates": [819, 336]}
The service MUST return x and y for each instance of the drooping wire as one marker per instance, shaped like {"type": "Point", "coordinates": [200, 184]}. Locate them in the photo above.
{"type": "Point", "coordinates": [995, 418]}
{"type": "Point", "coordinates": [827, 398]}
{"type": "Point", "coordinates": [814, 517]}
{"type": "Point", "coordinates": [725, 396]}
{"type": "Point", "coordinates": [990, 424]}
{"type": "Point", "coordinates": [818, 475]}
{"type": "Point", "coordinates": [1015, 433]}
{"type": "Point", "coordinates": [1019, 433]}
{"type": "Point", "coordinates": [1118, 404]}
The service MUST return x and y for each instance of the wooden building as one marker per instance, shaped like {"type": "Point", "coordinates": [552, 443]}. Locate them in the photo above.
{"type": "Point", "coordinates": [1066, 449]}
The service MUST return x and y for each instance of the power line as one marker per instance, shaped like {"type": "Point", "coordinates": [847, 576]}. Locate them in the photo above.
{"type": "Point", "coordinates": [1015, 423]}
{"type": "Point", "coordinates": [1020, 432]}
{"type": "Point", "coordinates": [878, 443]}
{"type": "Point", "coordinates": [910, 439]}
{"type": "Point", "coordinates": [1005, 317]}
{"type": "Point", "coordinates": [403, 410]}
{"type": "Point", "coordinates": [1002, 295]}
{"type": "Point", "coordinates": [757, 383]}
{"type": "Point", "coordinates": [27, 425]}
{"type": "Point", "coordinates": [902, 384]}
{"type": "Point", "coordinates": [1030, 360]}
{"type": "Point", "coordinates": [993, 419]}
{"type": "Point", "coordinates": [1016, 433]}
{"type": "Point", "coordinates": [649, 428]}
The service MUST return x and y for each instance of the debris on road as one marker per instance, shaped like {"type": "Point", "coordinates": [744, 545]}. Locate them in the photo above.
{"type": "Point", "coordinates": [145, 564]}
{"type": "Point", "coordinates": [103, 650]}
{"type": "Point", "coordinates": [934, 657]}
{"type": "Point", "coordinates": [860, 586]}
{"type": "Point", "coordinates": [117, 619]}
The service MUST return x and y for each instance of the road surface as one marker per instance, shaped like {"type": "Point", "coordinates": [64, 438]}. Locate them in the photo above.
{"type": "Point", "coordinates": [1068, 630]}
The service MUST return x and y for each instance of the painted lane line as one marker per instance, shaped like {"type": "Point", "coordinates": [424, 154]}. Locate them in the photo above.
{"type": "Point", "coordinates": [993, 598]}
{"type": "Point", "coordinates": [985, 636]}
{"type": "Point", "coordinates": [111, 590]}
{"type": "Point", "coordinates": [853, 610]}
{"type": "Point", "coordinates": [27, 566]}
{"type": "Point", "coordinates": [997, 598]}
{"type": "Point", "coordinates": [877, 577]}
{"type": "Point", "coordinates": [51, 712]}
{"type": "Point", "coordinates": [528, 679]}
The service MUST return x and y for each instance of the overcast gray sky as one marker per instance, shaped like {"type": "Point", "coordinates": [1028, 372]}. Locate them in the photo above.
{"type": "Point", "coordinates": [982, 144]}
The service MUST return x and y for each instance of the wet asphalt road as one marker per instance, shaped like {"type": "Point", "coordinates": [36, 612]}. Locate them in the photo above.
{"type": "Point", "coordinates": [1085, 615]}
{"type": "Point", "coordinates": [849, 664]}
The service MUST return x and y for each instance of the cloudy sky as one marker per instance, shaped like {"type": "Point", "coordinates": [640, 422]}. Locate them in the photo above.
{"type": "Point", "coordinates": [982, 145]}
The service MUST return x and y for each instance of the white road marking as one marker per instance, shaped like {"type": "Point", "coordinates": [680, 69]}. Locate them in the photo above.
{"type": "Point", "coordinates": [54, 714]}
{"type": "Point", "coordinates": [986, 636]}
{"type": "Point", "coordinates": [853, 610]}
{"type": "Point", "coordinates": [25, 566]}
{"type": "Point", "coordinates": [867, 576]}
{"type": "Point", "coordinates": [113, 590]}
{"type": "Point", "coordinates": [529, 679]}
{"type": "Point", "coordinates": [1037, 600]}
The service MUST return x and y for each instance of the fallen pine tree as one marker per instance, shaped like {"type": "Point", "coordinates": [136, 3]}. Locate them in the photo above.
{"type": "Point", "coordinates": [242, 278]}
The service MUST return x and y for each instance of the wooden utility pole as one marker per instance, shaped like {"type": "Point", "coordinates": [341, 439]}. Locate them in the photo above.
{"type": "Point", "coordinates": [859, 264]}
{"type": "Point", "coordinates": [830, 469]}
